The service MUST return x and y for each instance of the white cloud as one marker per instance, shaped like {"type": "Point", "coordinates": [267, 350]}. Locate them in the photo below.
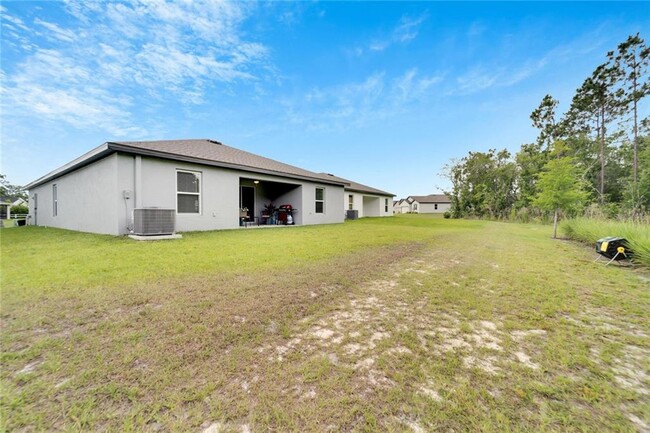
{"type": "Point", "coordinates": [503, 73]}
{"type": "Point", "coordinates": [57, 32]}
{"type": "Point", "coordinates": [11, 21]}
{"type": "Point", "coordinates": [406, 30]}
{"type": "Point", "coordinates": [108, 51]}
{"type": "Point", "coordinates": [359, 103]}
{"type": "Point", "coordinates": [410, 86]}
{"type": "Point", "coordinates": [476, 80]}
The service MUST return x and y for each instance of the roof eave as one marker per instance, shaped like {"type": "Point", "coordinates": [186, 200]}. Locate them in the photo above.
{"type": "Point", "coordinates": [361, 191]}
{"type": "Point", "coordinates": [85, 159]}
{"type": "Point", "coordinates": [119, 147]}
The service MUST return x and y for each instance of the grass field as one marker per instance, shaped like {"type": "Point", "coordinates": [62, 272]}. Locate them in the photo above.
{"type": "Point", "coordinates": [409, 323]}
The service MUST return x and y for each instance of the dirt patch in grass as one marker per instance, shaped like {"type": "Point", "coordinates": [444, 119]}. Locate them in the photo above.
{"type": "Point", "coordinates": [455, 334]}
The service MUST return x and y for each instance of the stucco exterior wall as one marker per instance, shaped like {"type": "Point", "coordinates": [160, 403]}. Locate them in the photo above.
{"type": "Point", "coordinates": [86, 199]}
{"type": "Point", "coordinates": [402, 208]}
{"type": "Point", "coordinates": [125, 188]}
{"type": "Point", "coordinates": [219, 192]}
{"type": "Point", "coordinates": [220, 195]}
{"type": "Point", "coordinates": [431, 207]}
{"type": "Point", "coordinates": [333, 209]}
{"type": "Point", "coordinates": [385, 206]}
{"type": "Point", "coordinates": [100, 197]}
{"type": "Point", "coordinates": [369, 205]}
{"type": "Point", "coordinates": [357, 205]}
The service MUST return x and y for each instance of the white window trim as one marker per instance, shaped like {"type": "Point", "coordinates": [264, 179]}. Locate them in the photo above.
{"type": "Point", "coordinates": [200, 176]}
{"type": "Point", "coordinates": [55, 199]}
{"type": "Point", "coordinates": [350, 201]}
{"type": "Point", "coordinates": [323, 200]}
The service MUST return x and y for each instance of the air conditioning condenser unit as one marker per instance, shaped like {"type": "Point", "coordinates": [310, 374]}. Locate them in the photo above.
{"type": "Point", "coordinates": [153, 221]}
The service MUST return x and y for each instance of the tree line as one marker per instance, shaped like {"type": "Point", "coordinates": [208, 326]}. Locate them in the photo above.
{"type": "Point", "coordinates": [595, 156]}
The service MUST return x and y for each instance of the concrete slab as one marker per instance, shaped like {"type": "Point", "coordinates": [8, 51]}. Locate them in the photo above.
{"type": "Point", "coordinates": [155, 237]}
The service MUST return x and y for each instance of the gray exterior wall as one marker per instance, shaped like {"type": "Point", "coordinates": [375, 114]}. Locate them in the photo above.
{"type": "Point", "coordinates": [333, 209]}
{"type": "Point", "coordinates": [431, 207]}
{"type": "Point", "coordinates": [219, 193]}
{"type": "Point", "coordinates": [369, 205]}
{"type": "Point", "coordinates": [100, 197]}
{"type": "Point", "coordinates": [87, 199]}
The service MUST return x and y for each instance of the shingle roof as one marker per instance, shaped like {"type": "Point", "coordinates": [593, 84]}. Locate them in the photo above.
{"type": "Point", "coordinates": [357, 187]}
{"type": "Point", "coordinates": [431, 198]}
{"type": "Point", "coordinates": [216, 152]}
{"type": "Point", "coordinates": [201, 151]}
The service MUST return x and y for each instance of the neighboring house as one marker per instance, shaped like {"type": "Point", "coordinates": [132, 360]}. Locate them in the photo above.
{"type": "Point", "coordinates": [19, 201]}
{"type": "Point", "coordinates": [367, 201]}
{"type": "Point", "coordinates": [5, 208]}
{"type": "Point", "coordinates": [402, 206]}
{"type": "Point", "coordinates": [433, 203]}
{"type": "Point", "coordinates": [206, 183]}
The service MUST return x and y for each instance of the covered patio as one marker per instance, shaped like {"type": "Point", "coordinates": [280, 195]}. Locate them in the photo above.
{"type": "Point", "coordinates": [264, 202]}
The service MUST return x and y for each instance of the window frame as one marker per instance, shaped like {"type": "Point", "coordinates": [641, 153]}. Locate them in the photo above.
{"type": "Point", "coordinates": [199, 176]}
{"type": "Point", "coordinates": [386, 205]}
{"type": "Point", "coordinates": [316, 200]}
{"type": "Point", "coordinates": [350, 201]}
{"type": "Point", "coordinates": [55, 200]}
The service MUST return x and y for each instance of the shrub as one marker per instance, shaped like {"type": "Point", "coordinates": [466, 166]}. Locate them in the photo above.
{"type": "Point", "coordinates": [19, 209]}
{"type": "Point", "coordinates": [589, 230]}
{"type": "Point", "coordinates": [447, 215]}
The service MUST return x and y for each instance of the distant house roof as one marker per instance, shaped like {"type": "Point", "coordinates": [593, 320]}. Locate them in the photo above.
{"type": "Point", "coordinates": [431, 198]}
{"type": "Point", "coordinates": [200, 151]}
{"type": "Point", "coordinates": [357, 187]}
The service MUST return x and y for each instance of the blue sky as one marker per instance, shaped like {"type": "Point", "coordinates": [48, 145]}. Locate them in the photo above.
{"type": "Point", "coordinates": [383, 93]}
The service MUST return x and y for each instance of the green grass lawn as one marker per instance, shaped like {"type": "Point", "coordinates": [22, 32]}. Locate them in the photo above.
{"type": "Point", "coordinates": [411, 323]}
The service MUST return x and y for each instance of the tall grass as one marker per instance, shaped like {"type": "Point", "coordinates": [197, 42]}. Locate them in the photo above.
{"type": "Point", "coordinates": [589, 230]}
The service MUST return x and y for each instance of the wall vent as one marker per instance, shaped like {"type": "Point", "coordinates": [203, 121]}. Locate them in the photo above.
{"type": "Point", "coordinates": [153, 221]}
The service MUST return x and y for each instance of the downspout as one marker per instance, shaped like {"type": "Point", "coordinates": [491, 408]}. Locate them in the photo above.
{"type": "Point", "coordinates": [137, 181]}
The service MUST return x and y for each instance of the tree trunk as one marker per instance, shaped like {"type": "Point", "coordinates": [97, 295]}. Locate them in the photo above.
{"type": "Point", "coordinates": [555, 224]}
{"type": "Point", "coordinates": [602, 156]}
{"type": "Point", "coordinates": [635, 164]}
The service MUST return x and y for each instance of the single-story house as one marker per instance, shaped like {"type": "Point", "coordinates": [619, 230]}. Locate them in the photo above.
{"type": "Point", "coordinates": [402, 206]}
{"type": "Point", "coordinates": [199, 184]}
{"type": "Point", "coordinates": [19, 201]}
{"type": "Point", "coordinates": [432, 203]}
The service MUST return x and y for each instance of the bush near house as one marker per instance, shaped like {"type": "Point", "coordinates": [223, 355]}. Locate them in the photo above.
{"type": "Point", "coordinates": [20, 209]}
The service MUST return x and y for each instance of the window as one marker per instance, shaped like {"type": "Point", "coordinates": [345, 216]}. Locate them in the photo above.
{"type": "Point", "coordinates": [415, 206]}
{"type": "Point", "coordinates": [188, 192]}
{"type": "Point", "coordinates": [55, 201]}
{"type": "Point", "coordinates": [320, 200]}
{"type": "Point", "coordinates": [385, 205]}
{"type": "Point", "coordinates": [351, 202]}
{"type": "Point", "coordinates": [435, 206]}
